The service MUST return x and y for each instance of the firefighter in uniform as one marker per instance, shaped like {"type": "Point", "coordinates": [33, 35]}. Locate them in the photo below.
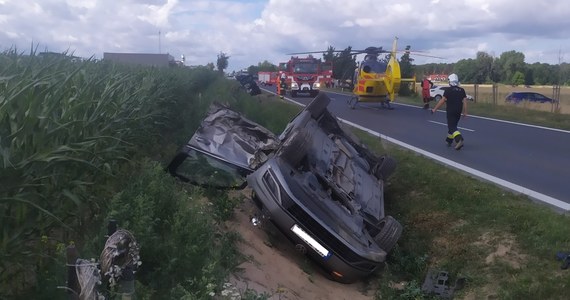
{"type": "Point", "coordinates": [281, 85]}
{"type": "Point", "coordinates": [456, 101]}
{"type": "Point", "coordinates": [426, 86]}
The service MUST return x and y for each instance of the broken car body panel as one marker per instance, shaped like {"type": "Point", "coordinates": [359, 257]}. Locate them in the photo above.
{"type": "Point", "coordinates": [317, 184]}
{"type": "Point", "coordinates": [227, 135]}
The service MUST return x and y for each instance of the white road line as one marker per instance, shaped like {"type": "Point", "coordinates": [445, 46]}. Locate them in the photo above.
{"type": "Point", "coordinates": [506, 184]}
{"type": "Point", "coordinates": [496, 120]}
{"type": "Point", "coordinates": [462, 128]}
{"type": "Point", "coordinates": [498, 181]}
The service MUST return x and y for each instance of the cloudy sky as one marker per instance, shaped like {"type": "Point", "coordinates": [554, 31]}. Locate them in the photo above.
{"type": "Point", "coordinates": [250, 31]}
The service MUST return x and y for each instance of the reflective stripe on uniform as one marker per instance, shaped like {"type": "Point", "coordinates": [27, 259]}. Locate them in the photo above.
{"type": "Point", "coordinates": [456, 133]}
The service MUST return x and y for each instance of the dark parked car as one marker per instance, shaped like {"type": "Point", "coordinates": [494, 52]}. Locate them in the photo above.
{"type": "Point", "coordinates": [516, 97]}
{"type": "Point", "coordinates": [314, 182]}
{"type": "Point", "coordinates": [248, 82]}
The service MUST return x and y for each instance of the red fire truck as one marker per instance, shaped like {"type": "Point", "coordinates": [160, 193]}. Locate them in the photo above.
{"type": "Point", "coordinates": [267, 78]}
{"type": "Point", "coordinates": [305, 75]}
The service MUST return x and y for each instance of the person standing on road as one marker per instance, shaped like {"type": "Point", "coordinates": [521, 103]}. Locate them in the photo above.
{"type": "Point", "coordinates": [426, 86]}
{"type": "Point", "coordinates": [456, 101]}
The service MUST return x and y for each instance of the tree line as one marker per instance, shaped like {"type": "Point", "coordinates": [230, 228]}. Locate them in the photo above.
{"type": "Point", "coordinates": [509, 68]}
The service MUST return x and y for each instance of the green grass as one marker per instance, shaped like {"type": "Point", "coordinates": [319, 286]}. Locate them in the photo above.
{"type": "Point", "coordinates": [454, 222]}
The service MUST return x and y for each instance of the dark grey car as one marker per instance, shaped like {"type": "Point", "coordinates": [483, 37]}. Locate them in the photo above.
{"type": "Point", "coordinates": [320, 187]}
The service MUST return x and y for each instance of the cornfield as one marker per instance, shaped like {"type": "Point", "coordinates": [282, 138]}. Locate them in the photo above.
{"type": "Point", "coordinates": [65, 127]}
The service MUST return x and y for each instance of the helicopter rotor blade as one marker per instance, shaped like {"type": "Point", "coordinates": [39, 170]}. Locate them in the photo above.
{"type": "Point", "coordinates": [419, 53]}
{"type": "Point", "coordinates": [307, 52]}
{"type": "Point", "coordinates": [314, 52]}
{"type": "Point", "coordinates": [370, 50]}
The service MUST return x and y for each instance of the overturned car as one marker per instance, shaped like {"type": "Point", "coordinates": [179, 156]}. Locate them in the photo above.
{"type": "Point", "coordinates": [316, 184]}
{"type": "Point", "coordinates": [247, 82]}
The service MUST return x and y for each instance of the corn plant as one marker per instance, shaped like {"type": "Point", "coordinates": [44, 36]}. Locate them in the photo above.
{"type": "Point", "coordinates": [64, 128]}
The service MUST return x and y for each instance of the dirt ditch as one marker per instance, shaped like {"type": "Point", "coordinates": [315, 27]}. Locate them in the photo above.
{"type": "Point", "coordinates": [277, 271]}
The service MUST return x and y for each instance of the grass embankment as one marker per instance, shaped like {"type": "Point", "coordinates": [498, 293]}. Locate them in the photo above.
{"type": "Point", "coordinates": [503, 244]}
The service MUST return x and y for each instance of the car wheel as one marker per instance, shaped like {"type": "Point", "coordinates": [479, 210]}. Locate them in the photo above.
{"type": "Point", "coordinates": [295, 147]}
{"type": "Point", "coordinates": [389, 234]}
{"type": "Point", "coordinates": [386, 167]}
{"type": "Point", "coordinates": [437, 98]}
{"type": "Point", "coordinates": [318, 106]}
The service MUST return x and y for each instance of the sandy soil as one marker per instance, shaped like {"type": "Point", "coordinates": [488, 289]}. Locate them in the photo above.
{"type": "Point", "coordinates": [276, 270]}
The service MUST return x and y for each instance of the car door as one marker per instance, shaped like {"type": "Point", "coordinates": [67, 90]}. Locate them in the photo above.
{"type": "Point", "coordinates": [541, 98]}
{"type": "Point", "coordinates": [224, 149]}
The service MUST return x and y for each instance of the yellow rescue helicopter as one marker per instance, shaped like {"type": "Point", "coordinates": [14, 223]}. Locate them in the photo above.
{"type": "Point", "coordinates": [377, 80]}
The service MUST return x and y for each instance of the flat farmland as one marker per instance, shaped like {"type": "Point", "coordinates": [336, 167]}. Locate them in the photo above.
{"type": "Point", "coordinates": [485, 95]}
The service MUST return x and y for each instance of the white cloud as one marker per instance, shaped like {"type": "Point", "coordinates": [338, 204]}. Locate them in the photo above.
{"type": "Point", "coordinates": [251, 31]}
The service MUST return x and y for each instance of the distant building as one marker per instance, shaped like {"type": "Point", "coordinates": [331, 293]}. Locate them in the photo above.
{"type": "Point", "coordinates": [148, 59]}
{"type": "Point", "coordinates": [65, 55]}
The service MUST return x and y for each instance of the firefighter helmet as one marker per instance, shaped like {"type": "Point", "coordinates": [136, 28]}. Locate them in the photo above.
{"type": "Point", "coordinates": [453, 80]}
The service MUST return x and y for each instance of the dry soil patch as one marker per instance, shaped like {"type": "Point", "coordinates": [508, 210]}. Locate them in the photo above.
{"type": "Point", "coordinates": [277, 270]}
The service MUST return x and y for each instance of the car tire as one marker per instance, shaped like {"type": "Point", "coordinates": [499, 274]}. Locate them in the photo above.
{"type": "Point", "coordinates": [437, 98]}
{"type": "Point", "coordinates": [386, 167]}
{"type": "Point", "coordinates": [389, 234]}
{"type": "Point", "coordinates": [295, 147]}
{"type": "Point", "coordinates": [318, 106]}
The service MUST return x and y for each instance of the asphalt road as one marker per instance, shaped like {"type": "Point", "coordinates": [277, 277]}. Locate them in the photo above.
{"type": "Point", "coordinates": [527, 159]}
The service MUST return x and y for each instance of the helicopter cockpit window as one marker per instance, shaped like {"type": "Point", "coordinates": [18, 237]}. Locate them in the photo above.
{"type": "Point", "coordinates": [371, 66]}
{"type": "Point", "coordinates": [310, 68]}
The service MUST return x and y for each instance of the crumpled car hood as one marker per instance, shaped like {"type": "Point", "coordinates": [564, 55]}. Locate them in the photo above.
{"type": "Point", "coordinates": [226, 134]}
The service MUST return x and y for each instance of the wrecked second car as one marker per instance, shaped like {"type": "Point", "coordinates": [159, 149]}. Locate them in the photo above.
{"type": "Point", "coordinates": [316, 183]}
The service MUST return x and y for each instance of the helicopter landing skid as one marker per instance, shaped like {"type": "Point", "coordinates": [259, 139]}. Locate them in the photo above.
{"type": "Point", "coordinates": [353, 101]}
{"type": "Point", "coordinates": [386, 105]}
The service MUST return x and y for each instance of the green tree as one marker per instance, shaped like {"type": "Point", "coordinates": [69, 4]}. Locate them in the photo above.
{"type": "Point", "coordinates": [484, 62]}
{"type": "Point", "coordinates": [529, 76]}
{"type": "Point", "coordinates": [466, 69]}
{"type": "Point", "coordinates": [495, 72]}
{"type": "Point", "coordinates": [518, 78]}
{"type": "Point", "coordinates": [266, 66]}
{"type": "Point", "coordinates": [407, 71]}
{"type": "Point", "coordinates": [345, 63]}
{"type": "Point", "coordinates": [328, 56]}
{"type": "Point", "coordinates": [406, 66]}
{"type": "Point", "coordinates": [222, 62]}
{"type": "Point", "coordinates": [252, 70]}
{"type": "Point", "coordinates": [210, 66]}
{"type": "Point", "coordinates": [511, 62]}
